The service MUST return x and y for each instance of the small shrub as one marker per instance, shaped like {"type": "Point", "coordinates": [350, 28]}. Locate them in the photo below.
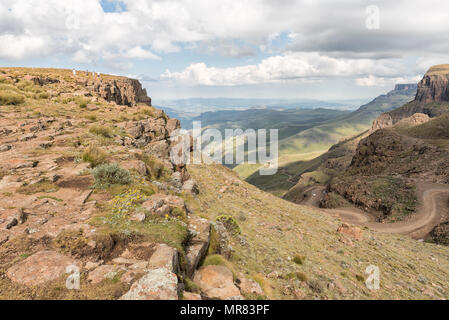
{"type": "Point", "coordinates": [230, 224]}
{"type": "Point", "coordinates": [10, 98]}
{"type": "Point", "coordinates": [360, 278]}
{"type": "Point", "coordinates": [215, 260]}
{"type": "Point", "coordinates": [179, 214]}
{"type": "Point", "coordinates": [94, 155]}
{"type": "Point", "coordinates": [83, 105]}
{"type": "Point", "coordinates": [191, 286]}
{"type": "Point", "coordinates": [218, 260]}
{"type": "Point", "coordinates": [43, 95]}
{"type": "Point", "coordinates": [214, 244]}
{"type": "Point", "coordinates": [101, 131]}
{"type": "Point", "coordinates": [299, 259]}
{"type": "Point", "coordinates": [106, 175]}
{"type": "Point", "coordinates": [91, 117]}
{"type": "Point", "coordinates": [72, 242]}
{"type": "Point", "coordinates": [147, 111]}
{"type": "Point", "coordinates": [297, 276]}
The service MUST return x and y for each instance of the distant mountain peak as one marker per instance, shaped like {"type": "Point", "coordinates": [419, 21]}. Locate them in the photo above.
{"type": "Point", "coordinates": [406, 86]}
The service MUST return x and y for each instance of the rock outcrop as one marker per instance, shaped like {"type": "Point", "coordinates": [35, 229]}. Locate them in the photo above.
{"type": "Point", "coordinates": [124, 91]}
{"type": "Point", "coordinates": [434, 87]}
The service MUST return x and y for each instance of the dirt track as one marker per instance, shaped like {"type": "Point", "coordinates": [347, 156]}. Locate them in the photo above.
{"type": "Point", "coordinates": [434, 207]}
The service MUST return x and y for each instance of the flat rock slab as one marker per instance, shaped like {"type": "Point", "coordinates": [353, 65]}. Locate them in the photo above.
{"type": "Point", "coordinates": [165, 257]}
{"type": "Point", "coordinates": [157, 284]}
{"type": "Point", "coordinates": [104, 272]}
{"type": "Point", "coordinates": [40, 268]}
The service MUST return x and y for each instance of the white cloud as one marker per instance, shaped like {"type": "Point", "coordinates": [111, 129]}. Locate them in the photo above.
{"type": "Point", "coordinates": [287, 67]}
{"type": "Point", "coordinates": [373, 81]}
{"type": "Point", "coordinates": [139, 53]}
{"type": "Point", "coordinates": [21, 46]}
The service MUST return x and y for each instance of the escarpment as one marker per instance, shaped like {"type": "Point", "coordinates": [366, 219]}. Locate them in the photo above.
{"type": "Point", "coordinates": [434, 87]}
{"type": "Point", "coordinates": [122, 91]}
{"type": "Point", "coordinates": [432, 99]}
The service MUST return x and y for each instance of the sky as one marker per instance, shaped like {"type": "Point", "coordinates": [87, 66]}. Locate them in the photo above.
{"type": "Point", "coordinates": [292, 49]}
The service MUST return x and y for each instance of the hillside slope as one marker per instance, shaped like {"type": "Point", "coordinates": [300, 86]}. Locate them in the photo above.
{"type": "Point", "coordinates": [403, 152]}
{"type": "Point", "coordinates": [314, 141]}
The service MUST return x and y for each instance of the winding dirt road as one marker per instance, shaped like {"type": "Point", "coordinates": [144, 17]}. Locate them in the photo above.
{"type": "Point", "coordinates": [433, 209]}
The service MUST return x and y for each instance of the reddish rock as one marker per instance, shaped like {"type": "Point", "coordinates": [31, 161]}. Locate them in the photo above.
{"type": "Point", "coordinates": [216, 282]}
{"type": "Point", "coordinates": [249, 286]}
{"type": "Point", "coordinates": [161, 204]}
{"type": "Point", "coordinates": [103, 272]}
{"type": "Point", "coordinates": [197, 248]}
{"type": "Point", "coordinates": [137, 165]}
{"type": "Point", "coordinates": [165, 257]}
{"type": "Point", "coordinates": [352, 232]}
{"type": "Point", "coordinates": [191, 296]}
{"type": "Point", "coordinates": [39, 268]}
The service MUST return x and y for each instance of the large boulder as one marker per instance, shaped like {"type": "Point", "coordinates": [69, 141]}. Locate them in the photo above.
{"type": "Point", "coordinates": [157, 284]}
{"type": "Point", "coordinates": [198, 245]}
{"type": "Point", "coordinates": [216, 282]}
{"type": "Point", "coordinates": [40, 268]}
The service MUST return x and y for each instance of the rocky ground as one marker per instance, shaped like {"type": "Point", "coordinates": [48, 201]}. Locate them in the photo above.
{"type": "Point", "coordinates": [87, 184]}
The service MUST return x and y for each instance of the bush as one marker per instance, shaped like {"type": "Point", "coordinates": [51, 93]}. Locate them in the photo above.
{"type": "Point", "coordinates": [299, 259]}
{"type": "Point", "coordinates": [95, 156]}
{"type": "Point", "coordinates": [101, 131]}
{"type": "Point", "coordinates": [43, 95]}
{"type": "Point", "coordinates": [230, 224]}
{"type": "Point", "coordinates": [106, 175]}
{"type": "Point", "coordinates": [10, 98]}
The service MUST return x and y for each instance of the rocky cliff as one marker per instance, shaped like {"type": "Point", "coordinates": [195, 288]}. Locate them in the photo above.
{"type": "Point", "coordinates": [124, 91]}
{"type": "Point", "coordinates": [434, 87]}
{"type": "Point", "coordinates": [432, 99]}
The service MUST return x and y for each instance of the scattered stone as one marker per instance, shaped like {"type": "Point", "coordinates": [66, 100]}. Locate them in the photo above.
{"type": "Point", "coordinates": [3, 238]}
{"type": "Point", "coordinates": [352, 232]}
{"type": "Point", "coordinates": [157, 284]}
{"type": "Point", "coordinates": [40, 268]}
{"type": "Point", "coordinates": [46, 145]}
{"type": "Point", "coordinates": [176, 180]}
{"type": "Point", "coordinates": [11, 222]}
{"type": "Point", "coordinates": [137, 165]}
{"type": "Point", "coordinates": [162, 204]}
{"type": "Point", "coordinates": [138, 217]}
{"type": "Point", "coordinates": [216, 282]}
{"type": "Point", "coordinates": [299, 294]}
{"type": "Point", "coordinates": [28, 137]}
{"type": "Point", "coordinates": [5, 148]}
{"type": "Point", "coordinates": [27, 164]}
{"type": "Point", "coordinates": [91, 265]}
{"type": "Point", "coordinates": [249, 286]}
{"type": "Point", "coordinates": [191, 187]}
{"type": "Point", "coordinates": [103, 272]}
